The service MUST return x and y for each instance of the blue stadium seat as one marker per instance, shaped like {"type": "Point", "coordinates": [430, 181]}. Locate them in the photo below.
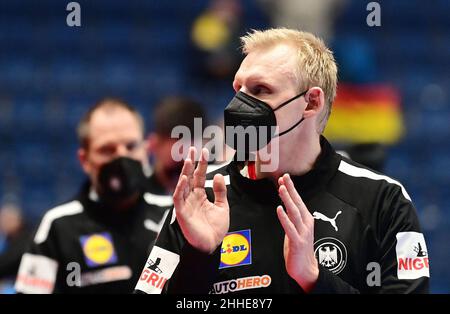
{"type": "Point", "coordinates": [39, 198]}
{"type": "Point", "coordinates": [69, 74]}
{"type": "Point", "coordinates": [16, 71]}
{"type": "Point", "coordinates": [118, 74]}
{"type": "Point", "coordinates": [35, 160]}
{"type": "Point", "coordinates": [74, 108]}
{"type": "Point", "coordinates": [29, 117]}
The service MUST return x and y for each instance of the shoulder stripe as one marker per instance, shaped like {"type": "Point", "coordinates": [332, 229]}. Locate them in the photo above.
{"type": "Point", "coordinates": [156, 226]}
{"type": "Point", "coordinates": [174, 215]}
{"type": "Point", "coordinates": [159, 200]}
{"type": "Point", "coordinates": [68, 209]}
{"type": "Point", "coordinates": [209, 183]}
{"type": "Point", "coordinates": [361, 172]}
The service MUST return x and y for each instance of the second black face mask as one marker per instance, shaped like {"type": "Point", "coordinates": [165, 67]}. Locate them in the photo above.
{"type": "Point", "coordinates": [120, 179]}
{"type": "Point", "coordinates": [245, 111]}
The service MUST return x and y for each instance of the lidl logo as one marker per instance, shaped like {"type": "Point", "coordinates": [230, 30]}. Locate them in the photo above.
{"type": "Point", "coordinates": [236, 249]}
{"type": "Point", "coordinates": [98, 249]}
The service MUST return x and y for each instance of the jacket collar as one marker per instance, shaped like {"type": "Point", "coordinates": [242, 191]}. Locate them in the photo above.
{"type": "Point", "coordinates": [98, 211]}
{"type": "Point", "coordinates": [307, 185]}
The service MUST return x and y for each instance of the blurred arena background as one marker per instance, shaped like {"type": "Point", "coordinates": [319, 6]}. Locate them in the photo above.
{"type": "Point", "coordinates": [143, 50]}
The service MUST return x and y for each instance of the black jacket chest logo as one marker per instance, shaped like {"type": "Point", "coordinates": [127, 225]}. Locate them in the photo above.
{"type": "Point", "coordinates": [319, 216]}
{"type": "Point", "coordinates": [331, 254]}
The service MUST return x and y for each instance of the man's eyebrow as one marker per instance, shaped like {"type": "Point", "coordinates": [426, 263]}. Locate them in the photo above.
{"type": "Point", "coordinates": [261, 79]}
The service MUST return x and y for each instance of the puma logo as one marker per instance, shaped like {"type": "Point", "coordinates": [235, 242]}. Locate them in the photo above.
{"type": "Point", "coordinates": [332, 221]}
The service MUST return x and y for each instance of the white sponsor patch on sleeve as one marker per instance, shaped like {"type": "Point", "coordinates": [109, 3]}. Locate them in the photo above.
{"type": "Point", "coordinates": [412, 256]}
{"type": "Point", "coordinates": [159, 268]}
{"type": "Point", "coordinates": [37, 274]}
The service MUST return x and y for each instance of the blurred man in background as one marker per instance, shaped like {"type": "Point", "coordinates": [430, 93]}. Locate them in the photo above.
{"type": "Point", "coordinates": [14, 239]}
{"type": "Point", "coordinates": [170, 112]}
{"type": "Point", "coordinates": [97, 242]}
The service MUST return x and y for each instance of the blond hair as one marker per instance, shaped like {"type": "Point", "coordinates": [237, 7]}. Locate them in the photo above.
{"type": "Point", "coordinates": [316, 63]}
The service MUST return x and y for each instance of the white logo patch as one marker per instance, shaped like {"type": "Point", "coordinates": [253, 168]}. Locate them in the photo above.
{"type": "Point", "coordinates": [159, 268]}
{"type": "Point", "coordinates": [239, 284]}
{"type": "Point", "coordinates": [412, 256]}
{"type": "Point", "coordinates": [331, 254]}
{"type": "Point", "coordinates": [37, 274]}
{"type": "Point", "coordinates": [332, 221]}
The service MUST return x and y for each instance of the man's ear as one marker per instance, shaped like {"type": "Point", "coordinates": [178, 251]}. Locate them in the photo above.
{"type": "Point", "coordinates": [82, 157]}
{"type": "Point", "coordinates": [315, 99]}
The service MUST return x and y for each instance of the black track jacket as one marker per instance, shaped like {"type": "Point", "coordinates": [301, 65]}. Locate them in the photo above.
{"type": "Point", "coordinates": [83, 247]}
{"type": "Point", "coordinates": [367, 237]}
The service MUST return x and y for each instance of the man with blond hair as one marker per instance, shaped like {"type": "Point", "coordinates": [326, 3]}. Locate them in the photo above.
{"type": "Point", "coordinates": [342, 228]}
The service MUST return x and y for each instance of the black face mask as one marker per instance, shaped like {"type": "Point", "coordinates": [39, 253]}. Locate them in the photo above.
{"type": "Point", "coordinates": [120, 179]}
{"type": "Point", "coordinates": [244, 111]}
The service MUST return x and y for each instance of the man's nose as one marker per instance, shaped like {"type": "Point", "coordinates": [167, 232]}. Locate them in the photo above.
{"type": "Point", "coordinates": [244, 89]}
{"type": "Point", "coordinates": [122, 151]}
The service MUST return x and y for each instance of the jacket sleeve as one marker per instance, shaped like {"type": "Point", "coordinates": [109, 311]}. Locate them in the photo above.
{"type": "Point", "coordinates": [401, 250]}
{"type": "Point", "coordinates": [174, 266]}
{"type": "Point", "coordinates": [196, 272]}
{"type": "Point", "coordinates": [38, 269]}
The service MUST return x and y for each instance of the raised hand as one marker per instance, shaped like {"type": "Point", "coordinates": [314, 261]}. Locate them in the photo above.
{"type": "Point", "coordinates": [298, 225]}
{"type": "Point", "coordinates": [204, 224]}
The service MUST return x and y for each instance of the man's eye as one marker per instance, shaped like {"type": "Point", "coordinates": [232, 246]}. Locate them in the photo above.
{"type": "Point", "coordinates": [107, 150]}
{"type": "Point", "coordinates": [132, 146]}
{"type": "Point", "coordinates": [260, 89]}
